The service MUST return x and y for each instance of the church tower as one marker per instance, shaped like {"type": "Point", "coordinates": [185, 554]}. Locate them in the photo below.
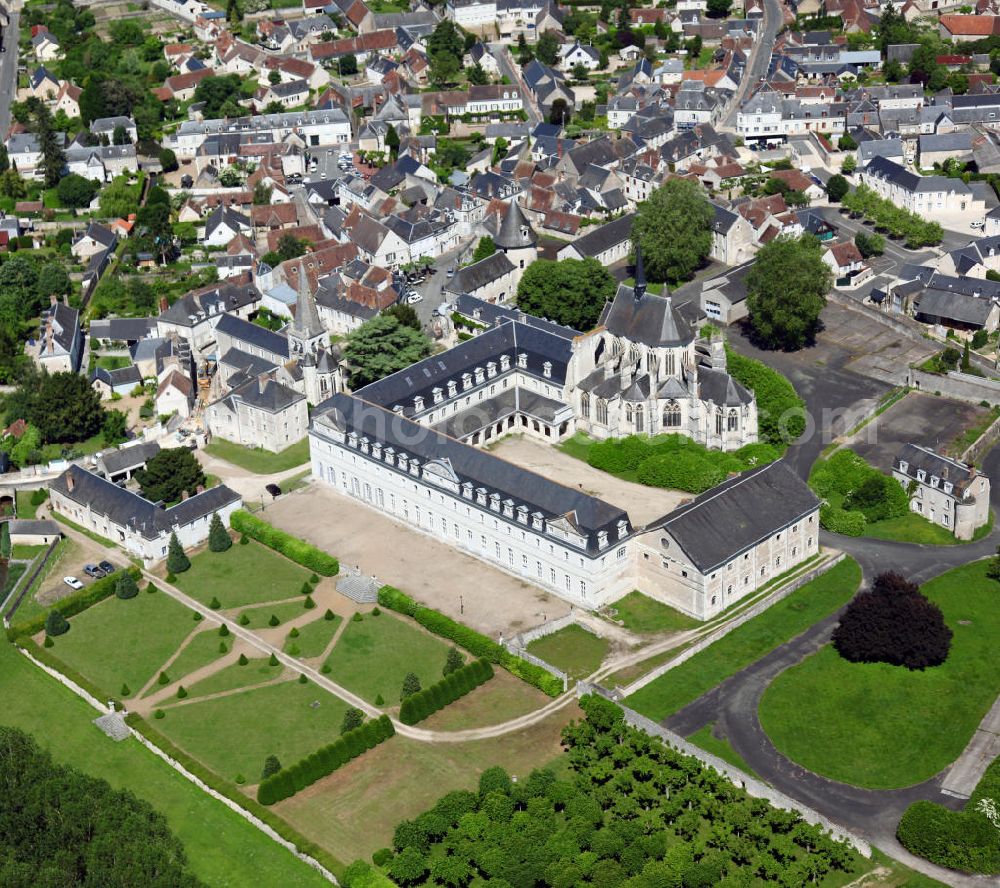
{"type": "Point", "coordinates": [639, 290]}
{"type": "Point", "coordinates": [306, 335]}
{"type": "Point", "coordinates": [516, 239]}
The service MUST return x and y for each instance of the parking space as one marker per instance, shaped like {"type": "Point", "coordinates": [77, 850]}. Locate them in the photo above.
{"type": "Point", "coordinates": [328, 163]}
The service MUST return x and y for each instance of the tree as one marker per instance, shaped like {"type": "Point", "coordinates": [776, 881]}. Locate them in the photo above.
{"type": "Point", "coordinates": [547, 48]}
{"type": "Point", "coordinates": [411, 685]}
{"type": "Point", "coordinates": [4, 159]}
{"type": "Point", "coordinates": [405, 314]}
{"type": "Point", "coordinates": [719, 8]}
{"type": "Point", "coordinates": [484, 249]}
{"type": "Point", "coordinates": [993, 571]}
{"type": "Point", "coordinates": [177, 560]}
{"type": "Point", "coordinates": [262, 194]}
{"type": "Point", "coordinates": [892, 622]}
{"type": "Point", "coordinates": [63, 406]}
{"type": "Point", "coordinates": [524, 53]}
{"type": "Point", "coordinates": [271, 766]}
{"type": "Point", "coordinates": [571, 292]}
{"type": "Point", "coordinates": [382, 346]}
{"type": "Point", "coordinates": [836, 187]}
{"type": "Point", "coordinates": [220, 95]}
{"type": "Point", "coordinates": [219, 539]}
{"type": "Point", "coordinates": [12, 185]}
{"type": "Point", "coordinates": [454, 661]}
{"type": "Point", "coordinates": [674, 228]}
{"type": "Point", "coordinates": [786, 291]}
{"type": "Point", "coordinates": [966, 361]}
{"type": "Point", "coordinates": [353, 718]}
{"type": "Point", "coordinates": [169, 474]}
{"type": "Point", "coordinates": [126, 586]}
{"type": "Point", "coordinates": [290, 247]}
{"type": "Point", "coordinates": [579, 71]}
{"type": "Point", "coordinates": [5, 545]}
{"type": "Point", "coordinates": [392, 141]}
{"type": "Point", "coordinates": [56, 624]}
{"type": "Point", "coordinates": [115, 428]}
{"type": "Point", "coordinates": [849, 165]}
{"type": "Point", "coordinates": [847, 143]}
{"type": "Point", "coordinates": [120, 136]}
{"type": "Point", "coordinates": [348, 65]}
{"type": "Point", "coordinates": [75, 191]}
{"type": "Point", "coordinates": [477, 75]}
{"type": "Point", "coordinates": [559, 114]}
{"type": "Point", "coordinates": [445, 47]}
{"type": "Point", "coordinates": [168, 160]}
{"type": "Point", "coordinates": [119, 198]}
{"type": "Point", "coordinates": [53, 281]}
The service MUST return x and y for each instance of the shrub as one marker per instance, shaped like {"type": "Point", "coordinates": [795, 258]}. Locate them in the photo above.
{"type": "Point", "coordinates": [222, 648]}
{"type": "Point", "coordinates": [197, 617]}
{"type": "Point", "coordinates": [151, 586]}
{"type": "Point", "coordinates": [302, 679]}
{"type": "Point", "coordinates": [781, 413]}
{"type": "Point", "coordinates": [56, 624]}
{"type": "Point", "coordinates": [326, 669]}
{"type": "Point", "coordinates": [244, 620]}
{"type": "Point", "coordinates": [177, 560]}
{"type": "Point", "coordinates": [411, 685]}
{"type": "Point", "coordinates": [837, 520]}
{"type": "Point", "coordinates": [294, 633]}
{"type": "Point", "coordinates": [273, 660]}
{"type": "Point", "coordinates": [223, 630]}
{"type": "Point", "coordinates": [379, 701]}
{"type": "Point", "coordinates": [376, 612]}
{"type": "Point", "coordinates": [181, 693]}
{"type": "Point", "coordinates": [314, 579]}
{"type": "Point", "coordinates": [48, 641]}
{"type": "Point", "coordinates": [239, 779]}
{"type": "Point", "coordinates": [687, 471]}
{"type": "Point", "coordinates": [159, 714]}
{"type": "Point", "coordinates": [878, 497]}
{"type": "Point", "coordinates": [215, 604]}
{"type": "Point", "coordinates": [170, 578]}
{"type": "Point", "coordinates": [329, 615]}
{"type": "Point", "coordinates": [244, 540]}
{"type": "Point", "coordinates": [126, 691]}
{"type": "Point", "coordinates": [243, 660]}
{"type": "Point", "coordinates": [163, 678]}
{"type": "Point", "coordinates": [306, 589]}
{"type": "Point", "coordinates": [353, 718]}
{"type": "Point", "coordinates": [126, 586]}
{"type": "Point", "coordinates": [454, 661]}
{"type": "Point", "coordinates": [291, 547]}
{"type": "Point", "coordinates": [273, 621]}
{"type": "Point", "coordinates": [356, 618]}
{"type": "Point", "coordinates": [457, 684]}
{"type": "Point", "coordinates": [39, 496]}
{"type": "Point", "coordinates": [309, 604]}
{"type": "Point", "coordinates": [961, 840]}
{"type": "Point", "coordinates": [218, 537]}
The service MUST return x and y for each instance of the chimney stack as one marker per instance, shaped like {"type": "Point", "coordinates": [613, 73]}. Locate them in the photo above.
{"type": "Point", "coordinates": [70, 482]}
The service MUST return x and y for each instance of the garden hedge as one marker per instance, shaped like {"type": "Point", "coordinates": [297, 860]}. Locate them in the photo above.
{"type": "Point", "coordinates": [288, 781]}
{"type": "Point", "coordinates": [74, 604]}
{"type": "Point", "coordinates": [454, 686]}
{"type": "Point", "coordinates": [856, 493]}
{"type": "Point", "coordinates": [213, 781]}
{"type": "Point", "coordinates": [291, 547]}
{"type": "Point", "coordinates": [474, 642]}
{"type": "Point", "coordinates": [781, 413]}
{"type": "Point", "coordinates": [838, 520]}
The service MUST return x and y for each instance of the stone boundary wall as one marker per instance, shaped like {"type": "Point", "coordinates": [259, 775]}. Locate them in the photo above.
{"type": "Point", "coordinates": [549, 627]}
{"type": "Point", "coordinates": [754, 787]}
{"type": "Point", "coordinates": [984, 442]}
{"type": "Point", "coordinates": [956, 385]}
{"type": "Point", "coordinates": [177, 766]}
{"type": "Point", "coordinates": [27, 580]}
{"type": "Point", "coordinates": [735, 623]}
{"type": "Point", "coordinates": [538, 661]}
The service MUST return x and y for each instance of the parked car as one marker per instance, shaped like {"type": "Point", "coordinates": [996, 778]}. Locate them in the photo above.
{"type": "Point", "coordinates": [73, 582]}
{"type": "Point", "coordinates": [451, 271]}
{"type": "Point", "coordinates": [979, 223]}
{"type": "Point", "coordinates": [107, 567]}
{"type": "Point", "coordinates": [92, 570]}
{"type": "Point", "coordinates": [414, 298]}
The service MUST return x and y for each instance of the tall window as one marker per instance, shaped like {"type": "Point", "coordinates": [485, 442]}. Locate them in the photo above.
{"type": "Point", "coordinates": [670, 367]}
{"type": "Point", "coordinates": [628, 414]}
{"type": "Point", "coordinates": [585, 405]}
{"type": "Point", "coordinates": [733, 423]}
{"type": "Point", "coordinates": [672, 415]}
{"type": "Point", "coordinates": [718, 421]}
{"type": "Point", "coordinates": [640, 424]}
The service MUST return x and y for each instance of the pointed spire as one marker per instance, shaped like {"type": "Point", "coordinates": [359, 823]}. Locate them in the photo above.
{"type": "Point", "coordinates": [307, 323]}
{"type": "Point", "coordinates": [640, 273]}
{"type": "Point", "coordinates": [515, 231]}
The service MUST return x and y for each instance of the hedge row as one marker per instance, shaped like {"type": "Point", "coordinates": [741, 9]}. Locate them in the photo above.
{"type": "Point", "coordinates": [781, 413]}
{"type": "Point", "coordinates": [474, 642]}
{"type": "Point", "coordinates": [304, 772]}
{"type": "Point", "coordinates": [214, 782]}
{"type": "Point", "coordinates": [74, 604]}
{"type": "Point", "coordinates": [453, 686]}
{"type": "Point", "coordinates": [856, 493]}
{"type": "Point", "coordinates": [291, 547]}
{"type": "Point", "coordinates": [838, 520]}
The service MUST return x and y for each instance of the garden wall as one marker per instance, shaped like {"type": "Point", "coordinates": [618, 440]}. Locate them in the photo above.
{"type": "Point", "coordinates": [956, 385]}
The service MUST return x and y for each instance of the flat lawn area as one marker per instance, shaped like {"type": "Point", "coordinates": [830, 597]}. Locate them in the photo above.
{"type": "Point", "coordinates": [201, 650]}
{"type": "Point", "coordinates": [117, 641]}
{"type": "Point", "coordinates": [223, 849]}
{"type": "Point", "coordinates": [257, 670]}
{"type": "Point", "coordinates": [113, 362]}
{"type": "Point", "coordinates": [881, 726]}
{"type": "Point", "coordinates": [22, 552]}
{"type": "Point", "coordinates": [233, 735]}
{"type": "Point", "coordinates": [313, 637]}
{"type": "Point", "coordinates": [640, 613]}
{"type": "Point", "coordinates": [719, 746]}
{"type": "Point", "coordinates": [283, 610]}
{"type": "Point", "coordinates": [572, 649]}
{"type": "Point", "coordinates": [15, 571]}
{"type": "Point", "coordinates": [66, 553]}
{"type": "Point", "coordinates": [914, 528]}
{"type": "Point", "coordinates": [354, 811]}
{"type": "Point", "coordinates": [749, 642]}
{"type": "Point", "coordinates": [373, 656]}
{"type": "Point", "coordinates": [502, 698]}
{"type": "Point", "coordinates": [25, 509]}
{"type": "Point", "coordinates": [242, 575]}
{"type": "Point", "coordinates": [262, 462]}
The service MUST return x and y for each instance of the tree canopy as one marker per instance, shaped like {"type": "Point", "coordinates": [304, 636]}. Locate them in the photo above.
{"type": "Point", "coordinates": [674, 228]}
{"type": "Point", "coordinates": [67, 828]}
{"type": "Point", "coordinates": [169, 474]}
{"type": "Point", "coordinates": [382, 346]}
{"type": "Point", "coordinates": [786, 291]}
{"type": "Point", "coordinates": [63, 406]}
{"type": "Point", "coordinates": [75, 191]}
{"type": "Point", "coordinates": [571, 292]}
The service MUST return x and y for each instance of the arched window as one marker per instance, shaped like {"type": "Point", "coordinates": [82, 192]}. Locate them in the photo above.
{"type": "Point", "coordinates": [602, 412]}
{"type": "Point", "coordinates": [718, 420]}
{"type": "Point", "coordinates": [628, 414]}
{"type": "Point", "coordinates": [733, 423]}
{"type": "Point", "coordinates": [670, 364]}
{"type": "Point", "coordinates": [640, 424]}
{"type": "Point", "coordinates": [585, 405]}
{"type": "Point", "coordinates": [672, 415]}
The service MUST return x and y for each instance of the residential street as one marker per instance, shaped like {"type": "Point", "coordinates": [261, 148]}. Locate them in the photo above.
{"type": "Point", "coordinates": [757, 64]}
{"type": "Point", "coordinates": [501, 52]}
{"type": "Point", "coordinates": [8, 67]}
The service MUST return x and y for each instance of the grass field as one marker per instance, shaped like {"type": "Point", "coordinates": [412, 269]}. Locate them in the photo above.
{"type": "Point", "coordinates": [749, 642]}
{"type": "Point", "coordinates": [66, 553]}
{"type": "Point", "coordinates": [283, 610]}
{"type": "Point", "coordinates": [200, 651]}
{"type": "Point", "coordinates": [884, 727]}
{"type": "Point", "coordinates": [642, 614]}
{"type": "Point", "coordinates": [572, 649]}
{"type": "Point", "coordinates": [313, 637]}
{"type": "Point", "coordinates": [224, 850]}
{"type": "Point", "coordinates": [262, 462]}
{"type": "Point", "coordinates": [118, 642]}
{"type": "Point", "coordinates": [242, 575]}
{"type": "Point", "coordinates": [25, 509]}
{"type": "Point", "coordinates": [353, 812]}
{"type": "Point", "coordinates": [233, 735]}
{"type": "Point", "coordinates": [257, 670]}
{"type": "Point", "coordinates": [502, 698]}
{"type": "Point", "coordinates": [719, 746]}
{"type": "Point", "coordinates": [373, 656]}
{"type": "Point", "coordinates": [15, 571]}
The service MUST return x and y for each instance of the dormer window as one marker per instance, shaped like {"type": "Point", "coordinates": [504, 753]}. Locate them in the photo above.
{"type": "Point", "coordinates": [365, 445]}
{"type": "Point", "coordinates": [602, 539]}
{"type": "Point", "coordinates": [414, 466]}
{"type": "Point", "coordinates": [418, 403]}
{"type": "Point", "coordinates": [491, 369]}
{"type": "Point", "coordinates": [921, 475]}
{"type": "Point", "coordinates": [352, 439]}
{"type": "Point", "coordinates": [547, 369]}
{"type": "Point", "coordinates": [438, 394]}
{"type": "Point", "coordinates": [537, 520]}
{"type": "Point", "coordinates": [390, 455]}
{"type": "Point", "coordinates": [481, 496]}
{"type": "Point", "coordinates": [935, 481]}
{"type": "Point", "coordinates": [522, 359]}
{"type": "Point", "coordinates": [948, 487]}
{"type": "Point", "coordinates": [622, 529]}
{"type": "Point", "coordinates": [466, 381]}
{"type": "Point", "coordinates": [452, 388]}
{"type": "Point", "coordinates": [504, 362]}
{"type": "Point", "coordinates": [495, 502]}
{"type": "Point", "coordinates": [398, 409]}
{"type": "Point", "coordinates": [522, 514]}
{"type": "Point", "coordinates": [377, 450]}
{"type": "Point", "coordinates": [467, 489]}
{"type": "Point", "coordinates": [903, 466]}
{"type": "Point", "coordinates": [480, 375]}
{"type": "Point", "coordinates": [403, 460]}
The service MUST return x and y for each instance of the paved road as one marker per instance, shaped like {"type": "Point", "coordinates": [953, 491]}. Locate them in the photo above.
{"type": "Point", "coordinates": [8, 68]}
{"type": "Point", "coordinates": [757, 64]}
{"type": "Point", "coordinates": [501, 52]}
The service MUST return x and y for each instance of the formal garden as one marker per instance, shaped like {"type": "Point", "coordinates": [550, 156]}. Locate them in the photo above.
{"type": "Point", "coordinates": [863, 711]}
{"type": "Point", "coordinates": [573, 649]}
{"type": "Point", "coordinates": [646, 616]}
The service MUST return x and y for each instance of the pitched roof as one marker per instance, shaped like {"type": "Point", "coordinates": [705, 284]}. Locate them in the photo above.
{"type": "Point", "coordinates": [650, 320]}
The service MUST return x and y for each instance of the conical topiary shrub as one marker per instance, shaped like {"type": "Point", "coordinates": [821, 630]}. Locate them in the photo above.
{"type": "Point", "coordinates": [177, 560]}
{"type": "Point", "coordinates": [218, 538]}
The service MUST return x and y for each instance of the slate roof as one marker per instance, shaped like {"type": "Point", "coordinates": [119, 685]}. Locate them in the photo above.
{"type": "Point", "coordinates": [245, 331]}
{"type": "Point", "coordinates": [491, 314]}
{"type": "Point", "coordinates": [122, 329]}
{"type": "Point", "coordinates": [508, 403]}
{"type": "Point", "coordinates": [605, 236]}
{"type": "Point", "coordinates": [587, 514]}
{"type": "Point", "coordinates": [121, 376]}
{"type": "Point", "coordinates": [124, 508]}
{"type": "Point", "coordinates": [36, 526]}
{"type": "Point", "coordinates": [121, 459]}
{"type": "Point", "coordinates": [721, 523]}
{"type": "Point", "coordinates": [954, 306]}
{"type": "Point", "coordinates": [650, 320]}
{"type": "Point", "coordinates": [935, 465]}
{"type": "Point", "coordinates": [265, 394]}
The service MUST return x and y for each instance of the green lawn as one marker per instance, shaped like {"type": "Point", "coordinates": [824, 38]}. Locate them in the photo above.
{"type": "Point", "coordinates": [224, 850]}
{"type": "Point", "coordinates": [313, 637]}
{"type": "Point", "coordinates": [25, 509]}
{"type": "Point", "coordinates": [233, 735]}
{"type": "Point", "coordinates": [373, 656]}
{"type": "Point", "coordinates": [779, 623]}
{"type": "Point", "coordinates": [262, 462]}
{"type": "Point", "coordinates": [914, 528]}
{"type": "Point", "coordinates": [256, 671]}
{"type": "Point", "coordinates": [21, 552]}
{"type": "Point", "coordinates": [572, 649]}
{"type": "Point", "coordinates": [201, 650]}
{"type": "Point", "coordinates": [640, 613]}
{"type": "Point", "coordinates": [15, 570]}
{"type": "Point", "coordinates": [124, 641]}
{"type": "Point", "coordinates": [719, 746]}
{"type": "Point", "coordinates": [65, 554]}
{"type": "Point", "coordinates": [242, 575]}
{"type": "Point", "coordinates": [259, 617]}
{"type": "Point", "coordinates": [882, 726]}
{"type": "Point", "coordinates": [113, 362]}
